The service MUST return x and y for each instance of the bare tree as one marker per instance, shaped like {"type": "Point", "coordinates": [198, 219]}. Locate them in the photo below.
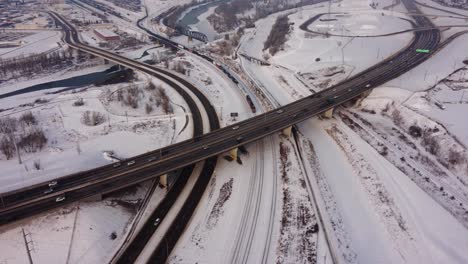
{"type": "Point", "coordinates": [455, 157]}
{"type": "Point", "coordinates": [148, 109]}
{"type": "Point", "coordinates": [33, 140]}
{"type": "Point", "coordinates": [8, 125]}
{"type": "Point", "coordinates": [429, 140]}
{"type": "Point", "coordinates": [37, 164]}
{"type": "Point", "coordinates": [397, 118]}
{"type": "Point", "coordinates": [28, 118]}
{"type": "Point", "coordinates": [78, 102]}
{"type": "Point", "coordinates": [7, 146]}
{"type": "Point", "coordinates": [93, 118]}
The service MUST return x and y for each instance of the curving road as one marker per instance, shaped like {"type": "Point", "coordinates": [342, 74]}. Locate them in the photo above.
{"type": "Point", "coordinates": [221, 140]}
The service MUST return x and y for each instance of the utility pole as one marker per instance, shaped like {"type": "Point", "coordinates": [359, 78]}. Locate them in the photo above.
{"type": "Point", "coordinates": [461, 98]}
{"type": "Point", "coordinates": [26, 244]}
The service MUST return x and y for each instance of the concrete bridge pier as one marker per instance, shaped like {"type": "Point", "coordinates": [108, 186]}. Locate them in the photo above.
{"type": "Point", "coordinates": [163, 181]}
{"type": "Point", "coordinates": [328, 113]}
{"type": "Point", "coordinates": [94, 198]}
{"type": "Point", "coordinates": [362, 97]}
{"type": "Point", "coordinates": [287, 131]}
{"type": "Point", "coordinates": [233, 153]}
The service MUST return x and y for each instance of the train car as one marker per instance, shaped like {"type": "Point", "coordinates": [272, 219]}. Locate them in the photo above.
{"type": "Point", "coordinates": [207, 58]}
{"type": "Point", "coordinates": [251, 104]}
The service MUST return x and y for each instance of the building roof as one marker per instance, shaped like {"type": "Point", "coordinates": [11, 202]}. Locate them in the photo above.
{"type": "Point", "coordinates": [106, 33]}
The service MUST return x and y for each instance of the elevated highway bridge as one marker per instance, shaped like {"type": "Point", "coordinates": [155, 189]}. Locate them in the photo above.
{"type": "Point", "coordinates": [221, 140]}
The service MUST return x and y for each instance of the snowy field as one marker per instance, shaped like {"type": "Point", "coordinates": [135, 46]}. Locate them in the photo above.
{"type": "Point", "coordinates": [38, 42]}
{"type": "Point", "coordinates": [373, 157]}
{"type": "Point", "coordinates": [383, 181]}
{"type": "Point", "coordinates": [85, 232]}
{"type": "Point", "coordinates": [82, 232]}
{"type": "Point", "coordinates": [69, 139]}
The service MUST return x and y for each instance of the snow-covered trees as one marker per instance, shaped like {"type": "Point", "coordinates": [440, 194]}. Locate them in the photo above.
{"type": "Point", "coordinates": [24, 132]}
{"type": "Point", "coordinates": [278, 34]}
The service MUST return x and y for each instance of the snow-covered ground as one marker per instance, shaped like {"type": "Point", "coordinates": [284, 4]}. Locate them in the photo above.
{"type": "Point", "coordinates": [383, 194]}
{"type": "Point", "coordinates": [83, 146]}
{"type": "Point", "coordinates": [37, 42]}
{"type": "Point", "coordinates": [360, 23]}
{"type": "Point", "coordinates": [375, 211]}
{"type": "Point", "coordinates": [85, 232]}
{"type": "Point", "coordinates": [303, 54]}
{"type": "Point", "coordinates": [82, 232]}
{"type": "Point", "coordinates": [223, 94]}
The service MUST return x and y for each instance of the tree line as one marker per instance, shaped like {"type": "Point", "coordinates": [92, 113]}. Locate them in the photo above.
{"type": "Point", "coordinates": [21, 65]}
{"type": "Point", "coordinates": [23, 132]}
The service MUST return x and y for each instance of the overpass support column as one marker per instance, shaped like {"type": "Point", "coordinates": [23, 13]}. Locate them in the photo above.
{"type": "Point", "coordinates": [328, 113]}
{"type": "Point", "coordinates": [287, 131]}
{"type": "Point", "coordinates": [233, 154]}
{"type": "Point", "coordinates": [362, 97]}
{"type": "Point", "coordinates": [163, 181]}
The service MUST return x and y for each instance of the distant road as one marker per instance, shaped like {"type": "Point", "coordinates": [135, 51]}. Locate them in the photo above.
{"type": "Point", "coordinates": [221, 140]}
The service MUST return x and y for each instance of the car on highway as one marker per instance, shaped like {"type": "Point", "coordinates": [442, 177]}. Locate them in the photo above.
{"type": "Point", "coordinates": [331, 100]}
{"type": "Point", "coordinates": [152, 159]}
{"type": "Point", "coordinates": [280, 111]}
{"type": "Point", "coordinates": [368, 85]}
{"type": "Point", "coordinates": [117, 164]}
{"type": "Point", "coordinates": [157, 221]}
{"type": "Point", "coordinates": [235, 127]}
{"type": "Point", "coordinates": [205, 147]}
{"type": "Point", "coordinates": [239, 139]}
{"type": "Point", "coordinates": [60, 198]}
{"type": "Point", "coordinates": [52, 184]}
{"type": "Point", "coordinates": [131, 163]}
{"type": "Point", "coordinates": [48, 191]}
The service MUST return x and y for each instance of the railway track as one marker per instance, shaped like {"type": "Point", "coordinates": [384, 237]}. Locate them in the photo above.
{"type": "Point", "coordinates": [221, 140]}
